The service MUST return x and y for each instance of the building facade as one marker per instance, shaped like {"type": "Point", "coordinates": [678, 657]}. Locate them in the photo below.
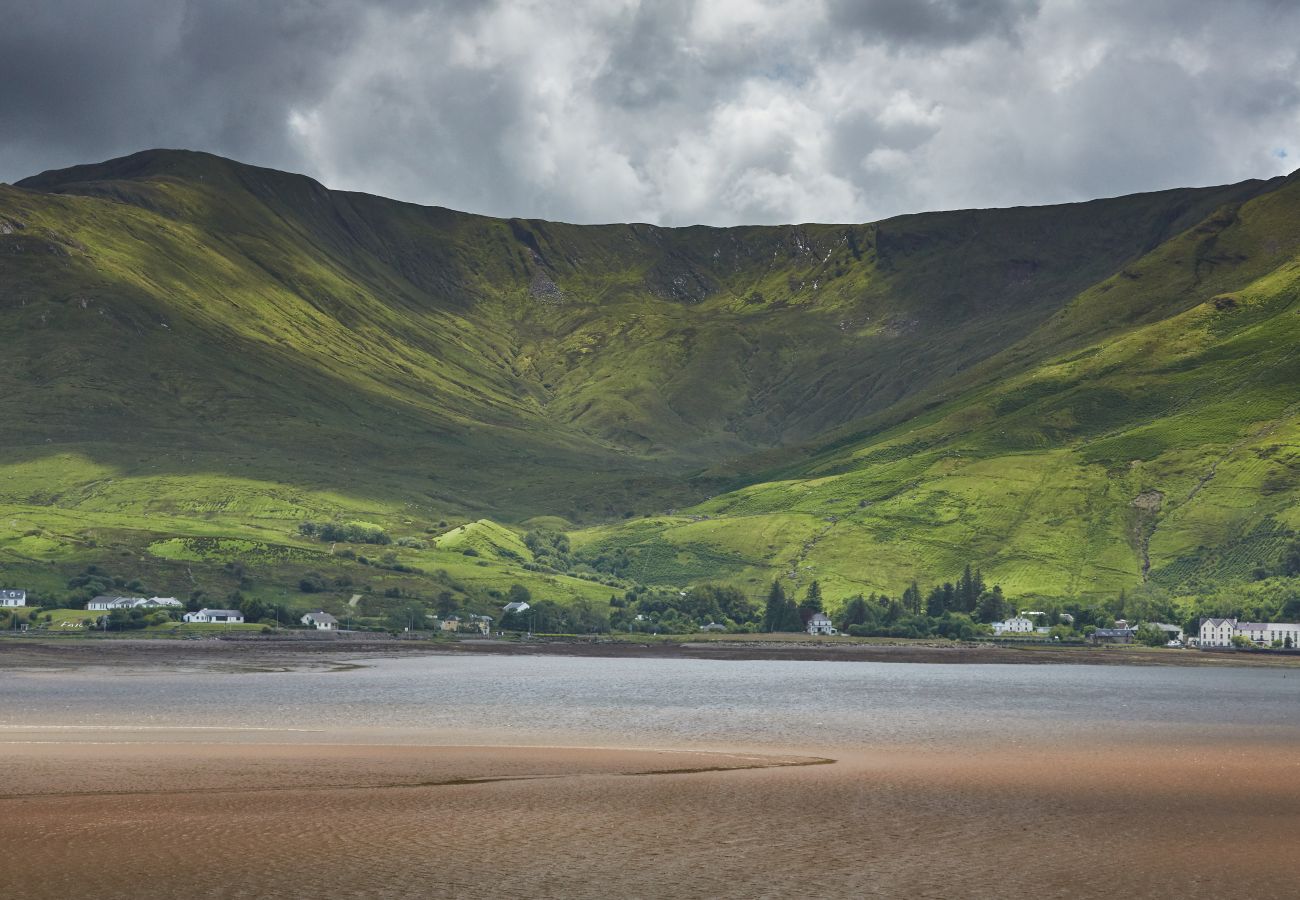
{"type": "Point", "coordinates": [10, 597]}
{"type": "Point", "coordinates": [321, 621]}
{"type": "Point", "coordinates": [1016, 625]}
{"type": "Point", "coordinates": [820, 623]}
{"type": "Point", "coordinates": [226, 616]}
{"type": "Point", "coordinates": [1220, 632]}
{"type": "Point", "coordinates": [105, 602]}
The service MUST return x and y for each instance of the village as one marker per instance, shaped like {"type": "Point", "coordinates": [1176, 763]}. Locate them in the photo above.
{"type": "Point", "coordinates": [1027, 626]}
{"type": "Point", "coordinates": [101, 612]}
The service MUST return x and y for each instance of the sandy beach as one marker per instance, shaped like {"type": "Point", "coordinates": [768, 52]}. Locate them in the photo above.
{"type": "Point", "coordinates": [112, 813]}
{"type": "Point", "coordinates": [125, 801]}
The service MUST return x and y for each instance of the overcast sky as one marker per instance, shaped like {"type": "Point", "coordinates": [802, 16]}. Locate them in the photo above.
{"type": "Point", "coordinates": [675, 112]}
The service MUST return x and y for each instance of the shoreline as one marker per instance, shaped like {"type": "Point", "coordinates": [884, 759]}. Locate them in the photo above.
{"type": "Point", "coordinates": [271, 654]}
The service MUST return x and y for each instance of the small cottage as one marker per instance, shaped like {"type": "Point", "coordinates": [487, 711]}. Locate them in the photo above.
{"type": "Point", "coordinates": [12, 598]}
{"type": "Point", "coordinates": [321, 621]}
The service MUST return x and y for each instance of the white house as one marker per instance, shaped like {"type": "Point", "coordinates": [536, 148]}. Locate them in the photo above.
{"type": "Point", "coordinates": [321, 621]}
{"type": "Point", "coordinates": [482, 623]}
{"type": "Point", "coordinates": [228, 616]}
{"type": "Point", "coordinates": [1014, 625]}
{"type": "Point", "coordinates": [516, 606]}
{"type": "Point", "coordinates": [1219, 632]}
{"type": "Point", "coordinates": [103, 601]}
{"type": "Point", "coordinates": [12, 598]}
{"type": "Point", "coordinates": [820, 623]}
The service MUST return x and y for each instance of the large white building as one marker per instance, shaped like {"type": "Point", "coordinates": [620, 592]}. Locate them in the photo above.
{"type": "Point", "coordinates": [12, 598]}
{"type": "Point", "coordinates": [103, 601]}
{"type": "Point", "coordinates": [1220, 632]}
{"type": "Point", "coordinates": [820, 623]}
{"type": "Point", "coordinates": [1015, 625]}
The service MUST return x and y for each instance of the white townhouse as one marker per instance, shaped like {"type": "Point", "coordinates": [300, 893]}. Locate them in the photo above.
{"type": "Point", "coordinates": [12, 598]}
{"type": "Point", "coordinates": [321, 621]}
{"type": "Point", "coordinates": [228, 616]}
{"type": "Point", "coordinates": [820, 623]}
{"type": "Point", "coordinates": [1219, 632]}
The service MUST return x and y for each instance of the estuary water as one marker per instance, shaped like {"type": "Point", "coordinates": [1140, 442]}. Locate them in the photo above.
{"type": "Point", "coordinates": [673, 702]}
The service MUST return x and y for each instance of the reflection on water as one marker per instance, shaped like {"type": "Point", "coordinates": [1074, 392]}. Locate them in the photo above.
{"type": "Point", "coordinates": [637, 702]}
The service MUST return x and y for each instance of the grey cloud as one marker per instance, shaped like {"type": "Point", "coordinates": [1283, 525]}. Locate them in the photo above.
{"type": "Point", "coordinates": [932, 22]}
{"type": "Point", "coordinates": [675, 112]}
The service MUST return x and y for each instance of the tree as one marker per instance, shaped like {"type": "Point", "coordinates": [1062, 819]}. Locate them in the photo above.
{"type": "Point", "coordinates": [446, 604]}
{"type": "Point", "coordinates": [812, 603]}
{"type": "Point", "coordinates": [1150, 635]}
{"type": "Point", "coordinates": [254, 610]}
{"type": "Point", "coordinates": [855, 613]}
{"type": "Point", "coordinates": [912, 598]}
{"type": "Point", "coordinates": [791, 620]}
{"type": "Point", "coordinates": [774, 609]}
{"type": "Point", "coordinates": [992, 606]}
{"type": "Point", "coordinates": [518, 594]}
{"type": "Point", "coordinates": [1291, 558]}
{"type": "Point", "coordinates": [410, 617]}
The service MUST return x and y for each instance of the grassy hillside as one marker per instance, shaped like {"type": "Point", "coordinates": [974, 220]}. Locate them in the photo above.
{"type": "Point", "coordinates": [1147, 431]}
{"type": "Point", "coordinates": [200, 355]}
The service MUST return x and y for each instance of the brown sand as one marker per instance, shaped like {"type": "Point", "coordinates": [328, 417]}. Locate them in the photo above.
{"type": "Point", "coordinates": [174, 813]}
{"type": "Point", "coordinates": [263, 654]}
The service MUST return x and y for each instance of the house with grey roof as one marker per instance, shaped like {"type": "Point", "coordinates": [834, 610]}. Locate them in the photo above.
{"type": "Point", "coordinates": [226, 616]}
{"type": "Point", "coordinates": [1113, 635]}
{"type": "Point", "coordinates": [12, 598]}
{"type": "Point", "coordinates": [321, 621]}
{"type": "Point", "coordinates": [820, 623]}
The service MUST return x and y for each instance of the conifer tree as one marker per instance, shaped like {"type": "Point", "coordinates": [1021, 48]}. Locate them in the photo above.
{"type": "Point", "coordinates": [812, 603]}
{"type": "Point", "coordinates": [792, 621]}
{"type": "Point", "coordinates": [774, 610]}
{"type": "Point", "coordinates": [912, 598]}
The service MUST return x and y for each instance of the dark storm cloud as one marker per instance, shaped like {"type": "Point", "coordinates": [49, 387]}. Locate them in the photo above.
{"type": "Point", "coordinates": [932, 22]}
{"type": "Point", "coordinates": [677, 111]}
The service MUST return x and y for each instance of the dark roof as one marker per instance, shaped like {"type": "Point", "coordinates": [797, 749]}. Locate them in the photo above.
{"type": "Point", "coordinates": [222, 612]}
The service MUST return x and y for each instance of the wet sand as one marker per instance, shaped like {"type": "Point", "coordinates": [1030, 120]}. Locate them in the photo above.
{"type": "Point", "coordinates": [119, 812]}
{"type": "Point", "coordinates": [263, 654]}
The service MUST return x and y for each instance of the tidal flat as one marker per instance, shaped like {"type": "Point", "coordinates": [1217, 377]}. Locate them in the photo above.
{"type": "Point", "coordinates": [461, 775]}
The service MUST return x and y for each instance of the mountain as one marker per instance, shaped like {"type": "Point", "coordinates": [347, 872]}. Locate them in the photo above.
{"type": "Point", "coordinates": [199, 355]}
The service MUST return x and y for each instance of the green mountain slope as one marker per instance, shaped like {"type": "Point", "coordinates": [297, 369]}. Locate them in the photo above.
{"type": "Point", "coordinates": [1148, 430]}
{"type": "Point", "coordinates": [198, 350]}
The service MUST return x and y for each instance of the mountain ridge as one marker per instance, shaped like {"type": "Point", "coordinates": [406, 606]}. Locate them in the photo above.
{"type": "Point", "coordinates": [175, 316]}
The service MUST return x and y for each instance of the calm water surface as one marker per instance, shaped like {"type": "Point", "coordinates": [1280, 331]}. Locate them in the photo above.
{"type": "Point", "coordinates": [638, 702]}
